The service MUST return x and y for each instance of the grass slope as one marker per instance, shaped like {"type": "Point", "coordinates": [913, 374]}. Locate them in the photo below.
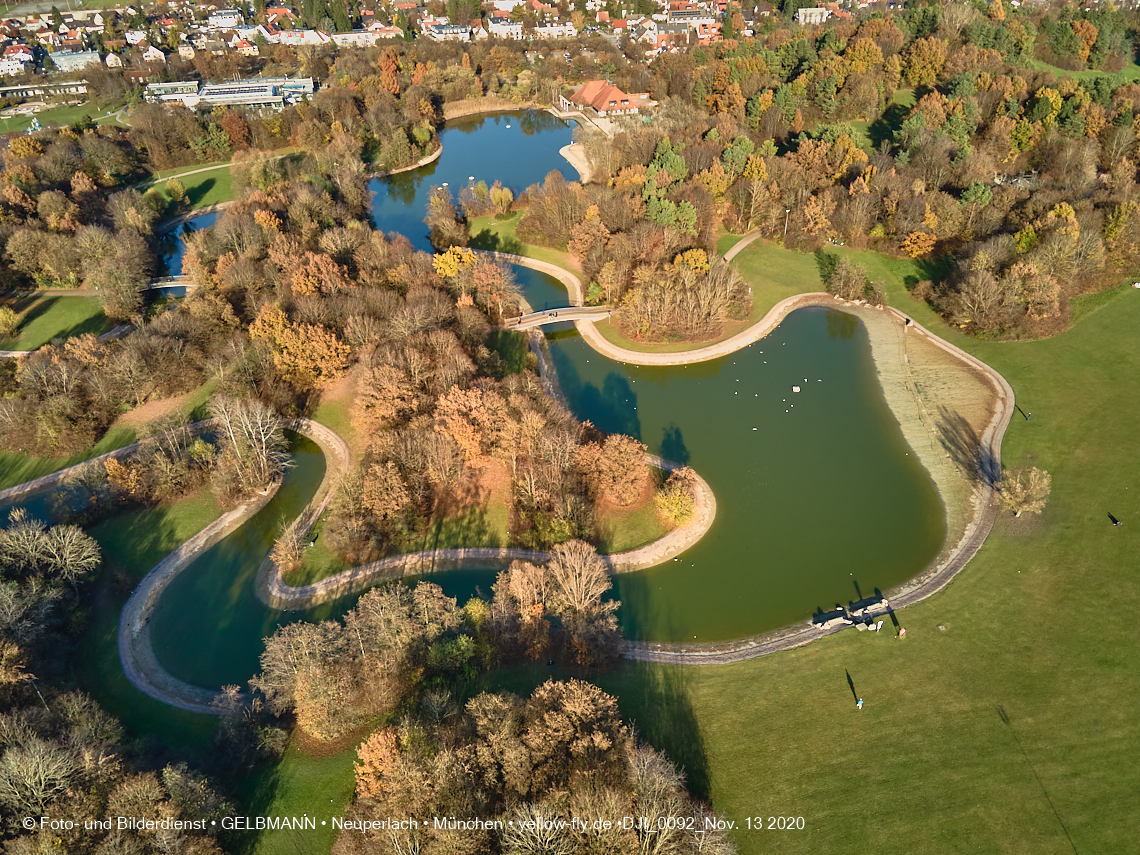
{"type": "Point", "coordinates": [17, 468]}
{"type": "Point", "coordinates": [45, 318]}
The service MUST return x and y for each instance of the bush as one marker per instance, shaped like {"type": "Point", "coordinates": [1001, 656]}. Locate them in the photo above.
{"type": "Point", "coordinates": [676, 500]}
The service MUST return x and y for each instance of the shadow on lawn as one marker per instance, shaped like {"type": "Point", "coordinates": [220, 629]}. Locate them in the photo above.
{"type": "Point", "coordinates": [961, 442]}
{"type": "Point", "coordinates": [491, 242]}
{"type": "Point", "coordinates": [665, 718]}
{"type": "Point", "coordinates": [196, 193]}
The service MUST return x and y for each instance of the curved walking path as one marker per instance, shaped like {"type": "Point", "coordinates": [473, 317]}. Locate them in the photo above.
{"type": "Point", "coordinates": [934, 579]}
{"type": "Point", "coordinates": [136, 650]}
{"type": "Point", "coordinates": [274, 591]}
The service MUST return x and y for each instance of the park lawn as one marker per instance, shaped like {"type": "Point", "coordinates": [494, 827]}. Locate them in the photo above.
{"type": "Point", "coordinates": [63, 115]}
{"type": "Point", "coordinates": [1130, 73]}
{"type": "Point", "coordinates": [499, 236]}
{"type": "Point", "coordinates": [133, 542]}
{"type": "Point", "coordinates": [622, 530]}
{"type": "Point", "coordinates": [46, 318]}
{"type": "Point", "coordinates": [971, 735]}
{"type": "Point", "coordinates": [16, 468]}
{"type": "Point", "coordinates": [204, 188]}
{"type": "Point", "coordinates": [299, 785]}
{"type": "Point", "coordinates": [485, 525]}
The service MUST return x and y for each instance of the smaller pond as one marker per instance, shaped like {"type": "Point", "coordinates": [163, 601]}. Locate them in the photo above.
{"type": "Point", "coordinates": [518, 149]}
{"type": "Point", "coordinates": [171, 246]}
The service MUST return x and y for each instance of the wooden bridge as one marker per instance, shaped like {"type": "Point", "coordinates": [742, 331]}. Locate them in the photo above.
{"type": "Point", "coordinates": [557, 316]}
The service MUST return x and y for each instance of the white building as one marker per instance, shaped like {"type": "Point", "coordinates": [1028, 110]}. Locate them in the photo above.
{"type": "Point", "coordinates": [356, 38]}
{"type": "Point", "coordinates": [153, 54]}
{"type": "Point", "coordinates": [10, 66]}
{"type": "Point", "coordinates": [560, 30]}
{"type": "Point", "coordinates": [77, 60]}
{"type": "Point", "coordinates": [113, 60]}
{"type": "Point", "coordinates": [505, 28]}
{"type": "Point", "coordinates": [449, 32]}
{"type": "Point", "coordinates": [225, 19]}
{"type": "Point", "coordinates": [815, 15]}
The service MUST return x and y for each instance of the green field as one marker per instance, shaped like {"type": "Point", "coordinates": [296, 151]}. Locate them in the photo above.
{"type": "Point", "coordinates": [994, 725]}
{"type": "Point", "coordinates": [297, 786]}
{"type": "Point", "coordinates": [1130, 73]}
{"type": "Point", "coordinates": [45, 318]}
{"type": "Point", "coordinates": [18, 468]}
{"type": "Point", "coordinates": [499, 236]}
{"type": "Point", "coordinates": [63, 115]}
{"type": "Point", "coordinates": [204, 188]}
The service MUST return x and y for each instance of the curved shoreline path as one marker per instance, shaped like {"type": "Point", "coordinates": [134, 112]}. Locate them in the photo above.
{"type": "Point", "coordinates": [136, 650]}
{"type": "Point", "coordinates": [933, 579]}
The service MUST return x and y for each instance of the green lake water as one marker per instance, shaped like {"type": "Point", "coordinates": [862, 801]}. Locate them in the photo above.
{"type": "Point", "coordinates": [208, 625]}
{"type": "Point", "coordinates": [819, 497]}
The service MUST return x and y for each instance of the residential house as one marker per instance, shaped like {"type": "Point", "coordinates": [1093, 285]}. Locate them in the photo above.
{"type": "Point", "coordinates": [505, 28]}
{"type": "Point", "coordinates": [67, 60]}
{"type": "Point", "coordinates": [113, 60]}
{"type": "Point", "coordinates": [186, 51]}
{"type": "Point", "coordinates": [135, 37]}
{"type": "Point", "coordinates": [607, 100]}
{"type": "Point", "coordinates": [557, 30]}
{"type": "Point", "coordinates": [296, 38]}
{"type": "Point", "coordinates": [449, 32]}
{"type": "Point", "coordinates": [384, 31]}
{"type": "Point", "coordinates": [356, 38]}
{"type": "Point", "coordinates": [811, 16]}
{"type": "Point", "coordinates": [153, 54]}
{"type": "Point", "coordinates": [506, 5]}
{"type": "Point", "coordinates": [672, 34]}
{"type": "Point", "coordinates": [247, 48]}
{"type": "Point", "coordinates": [11, 65]}
{"type": "Point", "coordinates": [280, 15]}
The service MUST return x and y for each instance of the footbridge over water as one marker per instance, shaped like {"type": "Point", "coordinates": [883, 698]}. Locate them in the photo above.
{"type": "Point", "coordinates": [163, 283]}
{"type": "Point", "coordinates": [558, 316]}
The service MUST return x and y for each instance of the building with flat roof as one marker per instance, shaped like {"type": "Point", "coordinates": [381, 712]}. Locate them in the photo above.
{"type": "Point", "coordinates": [72, 60]}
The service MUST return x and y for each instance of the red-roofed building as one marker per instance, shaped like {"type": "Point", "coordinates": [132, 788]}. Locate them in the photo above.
{"type": "Point", "coordinates": [607, 100]}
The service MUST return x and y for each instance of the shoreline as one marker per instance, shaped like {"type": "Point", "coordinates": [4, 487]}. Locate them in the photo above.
{"type": "Point", "coordinates": [969, 507]}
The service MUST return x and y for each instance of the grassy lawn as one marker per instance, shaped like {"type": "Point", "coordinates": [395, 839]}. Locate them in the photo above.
{"type": "Point", "coordinates": [499, 236]}
{"type": "Point", "coordinates": [205, 188]}
{"type": "Point", "coordinates": [619, 531]}
{"type": "Point", "coordinates": [62, 115]}
{"type": "Point", "coordinates": [17, 468]}
{"type": "Point", "coordinates": [1129, 74]}
{"type": "Point", "coordinates": [994, 725]}
{"type": "Point", "coordinates": [299, 785]}
{"type": "Point", "coordinates": [45, 318]}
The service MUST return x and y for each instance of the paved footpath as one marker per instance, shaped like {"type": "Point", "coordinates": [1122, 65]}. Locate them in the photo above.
{"type": "Point", "coordinates": [929, 583]}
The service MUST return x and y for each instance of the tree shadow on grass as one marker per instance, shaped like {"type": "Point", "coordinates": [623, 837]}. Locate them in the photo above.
{"type": "Point", "coordinates": [490, 242]}
{"type": "Point", "coordinates": [197, 193]}
{"type": "Point", "coordinates": [657, 698]}
{"type": "Point", "coordinates": [961, 443]}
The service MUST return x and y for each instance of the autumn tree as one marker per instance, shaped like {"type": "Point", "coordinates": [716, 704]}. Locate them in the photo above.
{"type": "Point", "coordinates": [615, 469]}
{"type": "Point", "coordinates": [1025, 490]}
{"type": "Point", "coordinates": [253, 446]}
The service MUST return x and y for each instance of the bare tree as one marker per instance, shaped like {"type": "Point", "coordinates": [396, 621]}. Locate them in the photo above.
{"type": "Point", "coordinates": [254, 447]}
